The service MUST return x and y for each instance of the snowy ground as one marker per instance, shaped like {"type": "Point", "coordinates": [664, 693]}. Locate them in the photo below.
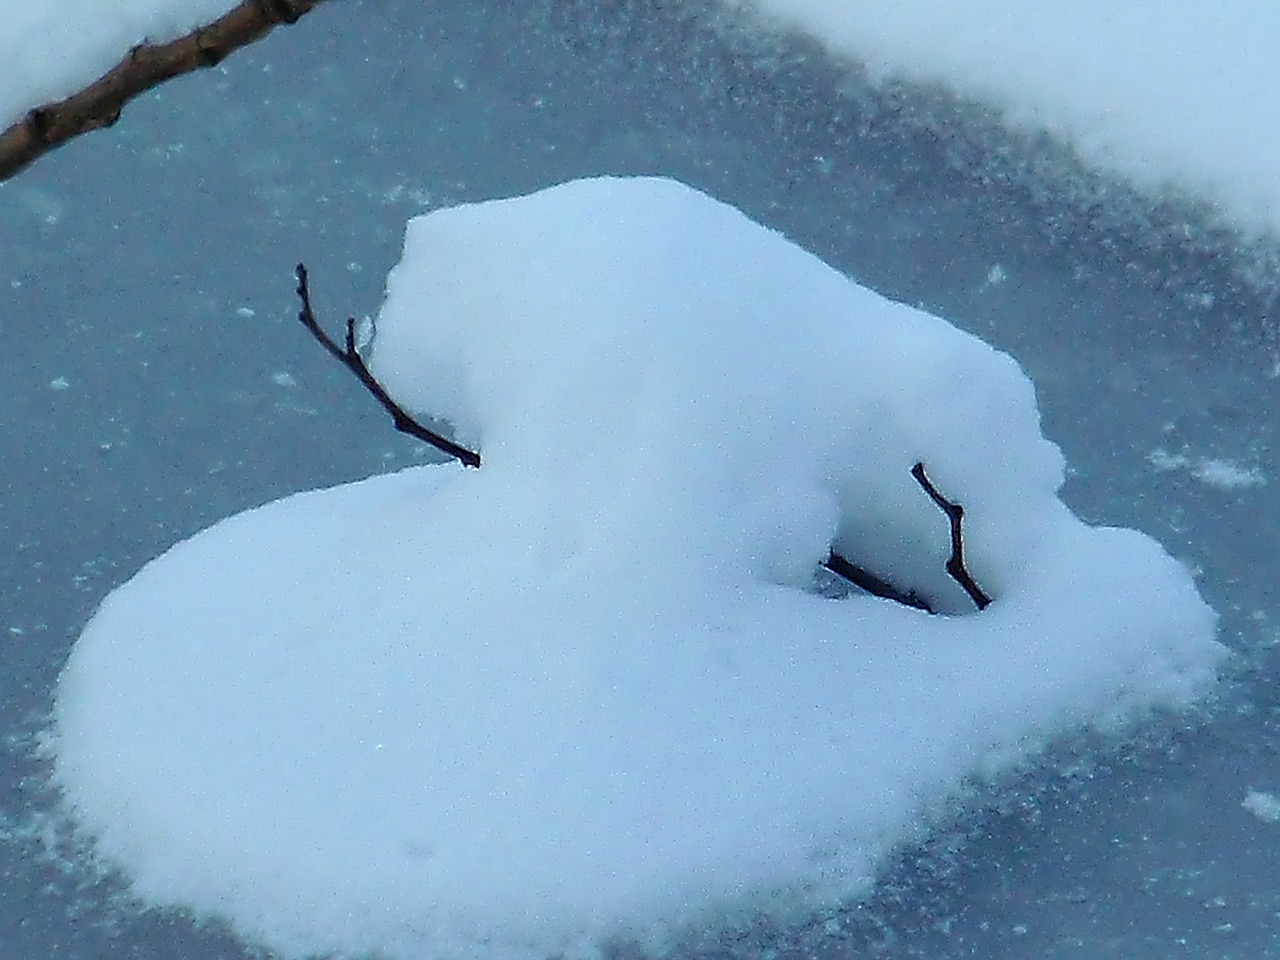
{"type": "Point", "coordinates": [1149, 394]}
{"type": "Point", "coordinates": [1168, 95]}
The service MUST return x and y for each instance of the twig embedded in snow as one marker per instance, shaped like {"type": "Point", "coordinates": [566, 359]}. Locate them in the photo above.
{"type": "Point", "coordinates": [955, 563]}
{"type": "Point", "coordinates": [876, 586]}
{"type": "Point", "coordinates": [349, 356]}
{"type": "Point", "coordinates": [868, 581]}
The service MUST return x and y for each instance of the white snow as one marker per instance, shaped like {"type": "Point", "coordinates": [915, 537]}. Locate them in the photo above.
{"type": "Point", "coordinates": [50, 50]}
{"type": "Point", "coordinates": [588, 690]}
{"type": "Point", "coordinates": [1162, 92]}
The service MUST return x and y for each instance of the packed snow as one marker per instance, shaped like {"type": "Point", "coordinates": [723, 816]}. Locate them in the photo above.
{"type": "Point", "coordinates": [597, 687]}
{"type": "Point", "coordinates": [1164, 93]}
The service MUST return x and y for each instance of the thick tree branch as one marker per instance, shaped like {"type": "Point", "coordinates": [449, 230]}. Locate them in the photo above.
{"type": "Point", "coordinates": [349, 356]}
{"type": "Point", "coordinates": [145, 66]}
{"type": "Point", "coordinates": [955, 563]}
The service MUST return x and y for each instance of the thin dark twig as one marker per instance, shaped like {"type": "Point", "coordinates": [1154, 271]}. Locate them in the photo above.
{"type": "Point", "coordinates": [874, 585]}
{"type": "Point", "coordinates": [349, 356]}
{"type": "Point", "coordinates": [955, 563]}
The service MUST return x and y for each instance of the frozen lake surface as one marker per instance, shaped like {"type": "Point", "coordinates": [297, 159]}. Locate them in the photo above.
{"type": "Point", "coordinates": [158, 382]}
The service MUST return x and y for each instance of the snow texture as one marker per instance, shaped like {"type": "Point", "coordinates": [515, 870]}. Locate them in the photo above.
{"type": "Point", "coordinates": [589, 690]}
{"type": "Point", "coordinates": [1163, 93]}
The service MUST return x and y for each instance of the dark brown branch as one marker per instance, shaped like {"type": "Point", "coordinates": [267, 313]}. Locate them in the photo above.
{"type": "Point", "coordinates": [874, 585]}
{"type": "Point", "coordinates": [349, 356]}
{"type": "Point", "coordinates": [145, 66]}
{"type": "Point", "coordinates": [955, 563]}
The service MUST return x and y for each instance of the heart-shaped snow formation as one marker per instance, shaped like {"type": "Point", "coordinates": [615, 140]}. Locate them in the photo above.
{"type": "Point", "coordinates": [587, 689]}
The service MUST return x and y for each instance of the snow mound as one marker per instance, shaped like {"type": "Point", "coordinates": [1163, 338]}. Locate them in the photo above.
{"type": "Point", "coordinates": [589, 689]}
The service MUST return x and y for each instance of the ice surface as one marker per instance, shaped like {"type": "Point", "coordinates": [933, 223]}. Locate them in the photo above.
{"type": "Point", "coordinates": [586, 690]}
{"type": "Point", "coordinates": [51, 50]}
{"type": "Point", "coordinates": [1161, 93]}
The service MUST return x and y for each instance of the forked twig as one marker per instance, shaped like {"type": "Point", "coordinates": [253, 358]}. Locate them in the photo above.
{"type": "Point", "coordinates": [349, 356]}
{"type": "Point", "coordinates": [955, 563]}
{"type": "Point", "coordinates": [876, 586]}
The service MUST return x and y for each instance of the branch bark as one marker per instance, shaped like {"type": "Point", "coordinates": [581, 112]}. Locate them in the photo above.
{"type": "Point", "coordinates": [145, 66]}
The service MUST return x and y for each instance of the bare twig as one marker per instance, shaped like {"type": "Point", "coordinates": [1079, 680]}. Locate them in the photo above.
{"type": "Point", "coordinates": [874, 585]}
{"type": "Point", "coordinates": [349, 356]}
{"type": "Point", "coordinates": [145, 66]}
{"type": "Point", "coordinates": [868, 581]}
{"type": "Point", "coordinates": [955, 563]}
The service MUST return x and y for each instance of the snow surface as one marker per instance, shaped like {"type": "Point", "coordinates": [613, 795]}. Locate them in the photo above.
{"type": "Point", "coordinates": [590, 689]}
{"type": "Point", "coordinates": [50, 50]}
{"type": "Point", "coordinates": [1162, 92]}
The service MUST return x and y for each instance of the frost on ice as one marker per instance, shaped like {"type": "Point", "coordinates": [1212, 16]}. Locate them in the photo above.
{"type": "Point", "coordinates": [589, 689]}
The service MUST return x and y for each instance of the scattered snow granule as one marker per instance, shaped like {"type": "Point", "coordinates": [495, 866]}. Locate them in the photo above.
{"type": "Point", "coordinates": [1264, 806]}
{"type": "Point", "coordinates": [282, 378]}
{"type": "Point", "coordinates": [59, 383]}
{"type": "Point", "coordinates": [996, 276]}
{"type": "Point", "coordinates": [246, 313]}
{"type": "Point", "coordinates": [1164, 460]}
{"type": "Point", "coordinates": [1225, 474]}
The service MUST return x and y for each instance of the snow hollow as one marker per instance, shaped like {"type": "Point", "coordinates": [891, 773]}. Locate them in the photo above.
{"type": "Point", "coordinates": [592, 689]}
